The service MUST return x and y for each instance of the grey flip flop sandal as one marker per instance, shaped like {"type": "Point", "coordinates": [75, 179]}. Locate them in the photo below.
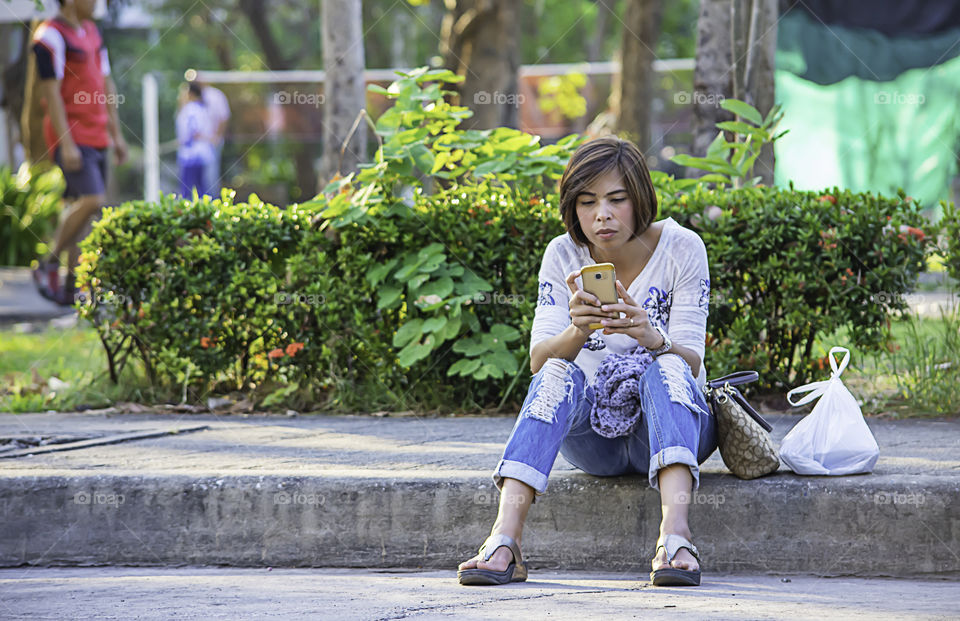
{"type": "Point", "coordinates": [671, 576]}
{"type": "Point", "coordinates": [516, 571]}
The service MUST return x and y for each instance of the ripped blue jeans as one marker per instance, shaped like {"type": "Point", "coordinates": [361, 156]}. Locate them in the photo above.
{"type": "Point", "coordinates": [676, 427]}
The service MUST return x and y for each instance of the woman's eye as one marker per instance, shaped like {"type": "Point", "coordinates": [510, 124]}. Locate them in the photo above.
{"type": "Point", "coordinates": [617, 200]}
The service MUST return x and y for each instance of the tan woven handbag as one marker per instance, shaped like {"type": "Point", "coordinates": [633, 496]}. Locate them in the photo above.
{"type": "Point", "coordinates": [743, 436]}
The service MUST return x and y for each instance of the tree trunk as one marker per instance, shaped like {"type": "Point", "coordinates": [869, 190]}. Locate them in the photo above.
{"type": "Point", "coordinates": [594, 45]}
{"type": "Point", "coordinates": [344, 89]}
{"type": "Point", "coordinates": [736, 42]}
{"type": "Point", "coordinates": [633, 85]}
{"type": "Point", "coordinates": [480, 41]}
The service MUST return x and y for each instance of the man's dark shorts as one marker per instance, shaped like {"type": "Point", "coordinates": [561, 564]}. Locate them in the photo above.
{"type": "Point", "coordinates": [92, 176]}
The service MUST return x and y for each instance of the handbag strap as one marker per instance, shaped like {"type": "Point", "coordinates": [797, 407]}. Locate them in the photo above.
{"type": "Point", "coordinates": [734, 379]}
{"type": "Point", "coordinates": [749, 409]}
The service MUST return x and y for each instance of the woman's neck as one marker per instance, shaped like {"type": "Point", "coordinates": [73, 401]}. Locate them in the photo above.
{"type": "Point", "coordinates": [633, 255]}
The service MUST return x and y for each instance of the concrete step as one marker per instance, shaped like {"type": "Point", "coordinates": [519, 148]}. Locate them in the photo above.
{"type": "Point", "coordinates": [357, 491]}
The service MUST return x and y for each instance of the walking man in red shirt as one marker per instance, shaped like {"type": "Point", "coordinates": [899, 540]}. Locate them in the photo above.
{"type": "Point", "coordinates": [80, 124]}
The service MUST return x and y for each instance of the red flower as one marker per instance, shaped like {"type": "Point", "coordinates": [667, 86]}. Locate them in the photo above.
{"type": "Point", "coordinates": [276, 353]}
{"type": "Point", "coordinates": [205, 342]}
{"type": "Point", "coordinates": [828, 197]}
{"type": "Point", "coordinates": [293, 348]}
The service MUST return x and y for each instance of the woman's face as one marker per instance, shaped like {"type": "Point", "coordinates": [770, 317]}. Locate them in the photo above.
{"type": "Point", "coordinates": [606, 212]}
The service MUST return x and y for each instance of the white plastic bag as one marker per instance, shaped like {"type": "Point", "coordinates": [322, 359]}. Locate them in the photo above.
{"type": "Point", "coordinates": [833, 438]}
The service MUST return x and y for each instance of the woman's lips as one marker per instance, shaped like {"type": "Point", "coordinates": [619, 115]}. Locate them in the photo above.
{"type": "Point", "coordinates": [607, 235]}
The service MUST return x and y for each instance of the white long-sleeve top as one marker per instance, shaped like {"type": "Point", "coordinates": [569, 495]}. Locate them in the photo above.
{"type": "Point", "coordinates": [673, 287]}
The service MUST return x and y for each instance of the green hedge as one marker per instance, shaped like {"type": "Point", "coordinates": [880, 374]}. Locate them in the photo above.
{"type": "Point", "coordinates": [222, 296]}
{"type": "Point", "coordinates": [225, 296]}
{"type": "Point", "coordinates": [31, 203]}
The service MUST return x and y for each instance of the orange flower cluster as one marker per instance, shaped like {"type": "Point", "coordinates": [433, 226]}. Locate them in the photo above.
{"type": "Point", "coordinates": [843, 278]}
{"type": "Point", "coordinates": [207, 342]}
{"type": "Point", "coordinates": [291, 350]}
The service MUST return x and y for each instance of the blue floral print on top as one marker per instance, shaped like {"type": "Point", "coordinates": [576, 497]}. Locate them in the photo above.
{"type": "Point", "coordinates": [658, 305]}
{"type": "Point", "coordinates": [704, 292]}
{"type": "Point", "coordinates": [545, 299]}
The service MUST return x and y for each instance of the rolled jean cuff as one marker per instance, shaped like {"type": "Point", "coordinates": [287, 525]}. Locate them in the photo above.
{"type": "Point", "coordinates": [521, 472]}
{"type": "Point", "coordinates": [669, 456]}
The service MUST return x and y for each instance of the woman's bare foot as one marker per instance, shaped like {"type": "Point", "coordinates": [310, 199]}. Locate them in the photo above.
{"type": "Point", "coordinates": [683, 559]}
{"type": "Point", "coordinates": [500, 560]}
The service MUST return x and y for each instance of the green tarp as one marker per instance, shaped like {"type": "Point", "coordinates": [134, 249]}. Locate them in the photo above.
{"type": "Point", "coordinates": [865, 133]}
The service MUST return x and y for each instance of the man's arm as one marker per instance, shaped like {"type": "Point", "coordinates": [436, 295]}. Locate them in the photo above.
{"type": "Point", "coordinates": [69, 153]}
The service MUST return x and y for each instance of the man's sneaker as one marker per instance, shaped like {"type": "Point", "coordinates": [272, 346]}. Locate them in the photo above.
{"type": "Point", "coordinates": [67, 295]}
{"type": "Point", "coordinates": [46, 277]}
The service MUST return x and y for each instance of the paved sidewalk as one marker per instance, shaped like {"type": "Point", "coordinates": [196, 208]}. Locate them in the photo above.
{"type": "Point", "coordinates": [362, 491]}
{"type": "Point", "coordinates": [346, 594]}
{"type": "Point", "coordinates": [21, 302]}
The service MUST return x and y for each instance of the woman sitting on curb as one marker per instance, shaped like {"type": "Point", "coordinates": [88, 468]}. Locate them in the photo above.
{"type": "Point", "coordinates": [608, 205]}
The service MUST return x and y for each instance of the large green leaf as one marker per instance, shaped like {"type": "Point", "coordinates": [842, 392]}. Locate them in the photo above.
{"type": "Point", "coordinates": [742, 109]}
{"type": "Point", "coordinates": [376, 274]}
{"type": "Point", "coordinates": [434, 324]}
{"type": "Point", "coordinates": [412, 330]}
{"type": "Point", "coordinates": [504, 333]}
{"type": "Point", "coordinates": [413, 353]}
{"type": "Point", "coordinates": [388, 297]}
{"type": "Point", "coordinates": [464, 366]}
{"type": "Point", "coordinates": [504, 360]}
{"type": "Point", "coordinates": [441, 287]}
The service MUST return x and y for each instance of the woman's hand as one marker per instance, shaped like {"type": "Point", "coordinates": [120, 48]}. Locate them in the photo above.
{"type": "Point", "coordinates": [584, 307]}
{"type": "Point", "coordinates": [636, 323]}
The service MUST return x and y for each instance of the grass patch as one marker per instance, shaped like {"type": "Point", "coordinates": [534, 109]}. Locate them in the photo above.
{"type": "Point", "coordinates": [918, 378]}
{"type": "Point", "coordinates": [60, 369]}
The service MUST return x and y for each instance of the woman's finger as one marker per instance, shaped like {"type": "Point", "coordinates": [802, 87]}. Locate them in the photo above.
{"type": "Point", "coordinates": [572, 281]}
{"type": "Point", "coordinates": [623, 294]}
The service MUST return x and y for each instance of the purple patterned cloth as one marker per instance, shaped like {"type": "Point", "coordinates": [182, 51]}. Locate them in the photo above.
{"type": "Point", "coordinates": [617, 388]}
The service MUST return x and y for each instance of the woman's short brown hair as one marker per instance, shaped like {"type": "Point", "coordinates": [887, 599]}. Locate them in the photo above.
{"type": "Point", "coordinates": [594, 159]}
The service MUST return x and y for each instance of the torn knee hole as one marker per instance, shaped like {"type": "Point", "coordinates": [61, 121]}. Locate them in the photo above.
{"type": "Point", "coordinates": [673, 371]}
{"type": "Point", "coordinates": [556, 387]}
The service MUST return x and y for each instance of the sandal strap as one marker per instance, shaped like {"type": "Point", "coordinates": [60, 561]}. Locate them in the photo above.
{"type": "Point", "coordinates": [673, 543]}
{"type": "Point", "coordinates": [500, 540]}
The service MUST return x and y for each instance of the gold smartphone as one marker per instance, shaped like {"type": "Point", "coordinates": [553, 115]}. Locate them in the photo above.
{"type": "Point", "coordinates": [600, 280]}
